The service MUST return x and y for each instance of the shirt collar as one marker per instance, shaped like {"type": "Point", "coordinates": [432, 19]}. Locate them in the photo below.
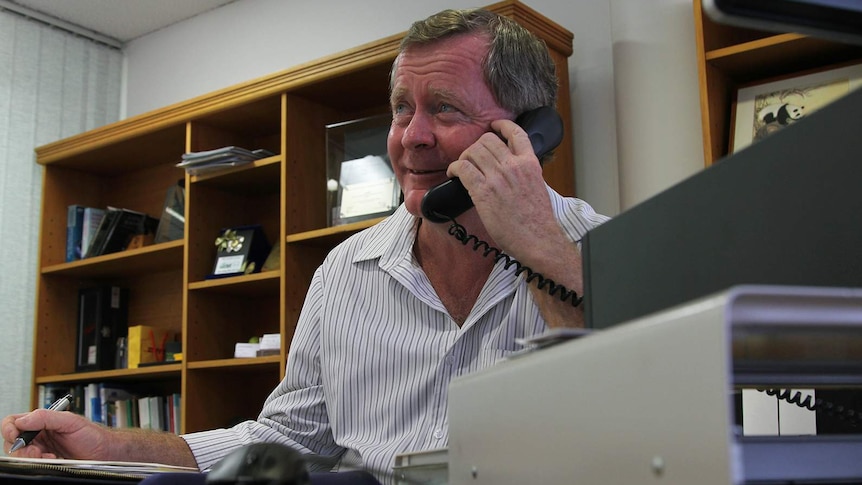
{"type": "Point", "coordinates": [390, 239]}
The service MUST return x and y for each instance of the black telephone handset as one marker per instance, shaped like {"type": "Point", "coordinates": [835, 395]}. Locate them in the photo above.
{"type": "Point", "coordinates": [450, 199]}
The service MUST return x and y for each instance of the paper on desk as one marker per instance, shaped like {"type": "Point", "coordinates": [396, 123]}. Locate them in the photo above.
{"type": "Point", "coordinates": [124, 469]}
{"type": "Point", "coordinates": [547, 339]}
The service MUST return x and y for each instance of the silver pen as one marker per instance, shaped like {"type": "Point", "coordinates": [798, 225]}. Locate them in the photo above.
{"type": "Point", "coordinates": [26, 437]}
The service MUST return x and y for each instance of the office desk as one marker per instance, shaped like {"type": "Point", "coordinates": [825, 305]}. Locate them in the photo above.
{"type": "Point", "coordinates": [16, 479]}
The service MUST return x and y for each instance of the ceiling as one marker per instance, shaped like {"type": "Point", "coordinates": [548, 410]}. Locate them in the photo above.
{"type": "Point", "coordinates": [122, 20]}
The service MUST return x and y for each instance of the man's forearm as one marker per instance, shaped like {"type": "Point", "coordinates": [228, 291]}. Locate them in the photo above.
{"type": "Point", "coordinates": [555, 312]}
{"type": "Point", "coordinates": [560, 263]}
{"type": "Point", "coordinates": [149, 446]}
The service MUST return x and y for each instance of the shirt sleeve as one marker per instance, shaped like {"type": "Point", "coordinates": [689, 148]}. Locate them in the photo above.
{"type": "Point", "coordinates": [294, 414]}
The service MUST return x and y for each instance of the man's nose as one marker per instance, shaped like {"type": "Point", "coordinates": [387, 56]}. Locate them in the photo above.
{"type": "Point", "coordinates": [419, 132]}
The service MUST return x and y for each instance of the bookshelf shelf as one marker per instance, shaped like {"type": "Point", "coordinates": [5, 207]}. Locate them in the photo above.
{"type": "Point", "coordinates": [132, 163]}
{"type": "Point", "coordinates": [150, 372]}
{"type": "Point", "coordinates": [329, 235]}
{"type": "Point", "coordinates": [236, 363]}
{"type": "Point", "coordinates": [164, 256]}
{"type": "Point", "coordinates": [251, 284]}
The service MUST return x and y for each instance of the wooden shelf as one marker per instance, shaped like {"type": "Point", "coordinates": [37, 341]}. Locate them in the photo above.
{"type": "Point", "coordinates": [265, 283]}
{"type": "Point", "coordinates": [330, 235]}
{"type": "Point", "coordinates": [259, 176]}
{"type": "Point", "coordinates": [148, 372]}
{"type": "Point", "coordinates": [776, 55]}
{"type": "Point", "coordinates": [149, 259]}
{"type": "Point", "coordinates": [237, 362]}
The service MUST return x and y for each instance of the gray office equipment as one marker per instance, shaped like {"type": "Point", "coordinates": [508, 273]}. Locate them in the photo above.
{"type": "Point", "coordinates": [786, 210]}
{"type": "Point", "coordinates": [650, 401]}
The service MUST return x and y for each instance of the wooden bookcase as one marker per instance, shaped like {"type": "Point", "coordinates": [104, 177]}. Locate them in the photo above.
{"type": "Point", "coordinates": [730, 57]}
{"type": "Point", "coordinates": [132, 163]}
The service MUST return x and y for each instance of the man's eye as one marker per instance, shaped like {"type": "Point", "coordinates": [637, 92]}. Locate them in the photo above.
{"type": "Point", "coordinates": [445, 108]}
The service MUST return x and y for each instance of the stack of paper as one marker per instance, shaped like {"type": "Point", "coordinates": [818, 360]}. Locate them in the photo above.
{"type": "Point", "coordinates": [197, 163]}
{"type": "Point", "coordinates": [87, 468]}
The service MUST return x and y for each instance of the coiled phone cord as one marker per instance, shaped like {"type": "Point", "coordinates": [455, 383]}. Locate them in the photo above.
{"type": "Point", "coordinates": [850, 416]}
{"type": "Point", "coordinates": [460, 233]}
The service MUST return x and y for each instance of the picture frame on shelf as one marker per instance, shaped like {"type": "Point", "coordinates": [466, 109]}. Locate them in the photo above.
{"type": "Point", "coordinates": [361, 184]}
{"type": "Point", "coordinates": [240, 250]}
{"type": "Point", "coordinates": [764, 108]}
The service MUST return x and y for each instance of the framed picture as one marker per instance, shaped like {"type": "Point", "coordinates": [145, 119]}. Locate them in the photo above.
{"type": "Point", "coordinates": [361, 184]}
{"type": "Point", "coordinates": [765, 108]}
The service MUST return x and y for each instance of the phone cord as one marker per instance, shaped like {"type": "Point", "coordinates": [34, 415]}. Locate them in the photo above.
{"type": "Point", "coordinates": [850, 416]}
{"type": "Point", "coordinates": [460, 233]}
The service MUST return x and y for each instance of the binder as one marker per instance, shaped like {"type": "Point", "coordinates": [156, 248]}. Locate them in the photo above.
{"type": "Point", "coordinates": [103, 314]}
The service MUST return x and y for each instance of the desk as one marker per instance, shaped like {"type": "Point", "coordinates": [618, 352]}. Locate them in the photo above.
{"type": "Point", "coordinates": [15, 479]}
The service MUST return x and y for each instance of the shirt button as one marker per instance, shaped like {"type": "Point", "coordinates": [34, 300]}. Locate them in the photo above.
{"type": "Point", "coordinates": [438, 433]}
{"type": "Point", "coordinates": [450, 359]}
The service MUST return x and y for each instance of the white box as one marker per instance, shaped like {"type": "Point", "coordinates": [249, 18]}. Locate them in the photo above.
{"type": "Point", "coordinates": [244, 350]}
{"type": "Point", "coordinates": [270, 341]}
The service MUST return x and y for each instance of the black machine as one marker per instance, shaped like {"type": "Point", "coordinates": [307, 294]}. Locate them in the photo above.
{"type": "Point", "coordinates": [782, 211]}
{"type": "Point", "coordinates": [839, 20]}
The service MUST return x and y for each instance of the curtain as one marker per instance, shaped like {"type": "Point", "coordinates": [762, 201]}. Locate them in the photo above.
{"type": "Point", "coordinates": [53, 84]}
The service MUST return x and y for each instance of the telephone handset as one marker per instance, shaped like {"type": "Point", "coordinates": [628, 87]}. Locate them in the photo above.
{"type": "Point", "coordinates": [450, 199]}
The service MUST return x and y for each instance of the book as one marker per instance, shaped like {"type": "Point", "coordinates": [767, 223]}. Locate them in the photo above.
{"type": "Point", "coordinates": [91, 220]}
{"type": "Point", "coordinates": [157, 412]}
{"type": "Point", "coordinates": [104, 227]}
{"type": "Point", "coordinates": [92, 406]}
{"type": "Point", "coordinates": [108, 399]}
{"type": "Point", "coordinates": [144, 419]}
{"type": "Point", "coordinates": [74, 225]}
{"type": "Point", "coordinates": [117, 228]}
{"type": "Point", "coordinates": [176, 406]}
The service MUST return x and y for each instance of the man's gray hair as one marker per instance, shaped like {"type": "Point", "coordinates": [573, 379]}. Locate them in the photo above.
{"type": "Point", "coordinates": [518, 67]}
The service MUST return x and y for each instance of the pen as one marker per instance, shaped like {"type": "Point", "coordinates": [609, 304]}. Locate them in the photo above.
{"type": "Point", "coordinates": [26, 437]}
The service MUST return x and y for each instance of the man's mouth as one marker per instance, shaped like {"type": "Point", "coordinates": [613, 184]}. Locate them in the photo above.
{"type": "Point", "coordinates": [426, 172]}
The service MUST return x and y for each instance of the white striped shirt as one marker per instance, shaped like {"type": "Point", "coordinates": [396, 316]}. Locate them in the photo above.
{"type": "Point", "coordinates": [374, 351]}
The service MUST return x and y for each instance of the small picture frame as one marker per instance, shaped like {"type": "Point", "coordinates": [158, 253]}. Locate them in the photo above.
{"type": "Point", "coordinates": [765, 108]}
{"type": "Point", "coordinates": [240, 250]}
{"type": "Point", "coordinates": [360, 182]}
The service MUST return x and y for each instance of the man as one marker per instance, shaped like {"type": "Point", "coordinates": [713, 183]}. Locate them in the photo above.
{"type": "Point", "coordinates": [397, 311]}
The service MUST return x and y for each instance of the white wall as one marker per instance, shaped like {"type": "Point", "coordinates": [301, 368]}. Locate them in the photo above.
{"type": "Point", "coordinates": [658, 144]}
{"type": "Point", "coordinates": [657, 101]}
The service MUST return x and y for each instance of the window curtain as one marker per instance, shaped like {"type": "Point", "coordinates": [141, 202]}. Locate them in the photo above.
{"type": "Point", "coordinates": [53, 84]}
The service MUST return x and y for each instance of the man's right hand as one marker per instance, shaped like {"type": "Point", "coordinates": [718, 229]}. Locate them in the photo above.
{"type": "Point", "coordinates": [63, 435]}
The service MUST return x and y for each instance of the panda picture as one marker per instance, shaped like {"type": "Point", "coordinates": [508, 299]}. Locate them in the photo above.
{"type": "Point", "coordinates": [783, 114]}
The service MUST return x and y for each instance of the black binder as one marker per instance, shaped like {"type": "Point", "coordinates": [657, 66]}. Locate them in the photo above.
{"type": "Point", "coordinates": [103, 317]}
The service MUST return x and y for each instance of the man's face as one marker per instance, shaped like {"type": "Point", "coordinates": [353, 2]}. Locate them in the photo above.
{"type": "Point", "coordinates": [440, 106]}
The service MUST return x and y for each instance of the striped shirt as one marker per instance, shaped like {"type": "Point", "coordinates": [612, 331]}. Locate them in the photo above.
{"type": "Point", "coordinates": [375, 350]}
